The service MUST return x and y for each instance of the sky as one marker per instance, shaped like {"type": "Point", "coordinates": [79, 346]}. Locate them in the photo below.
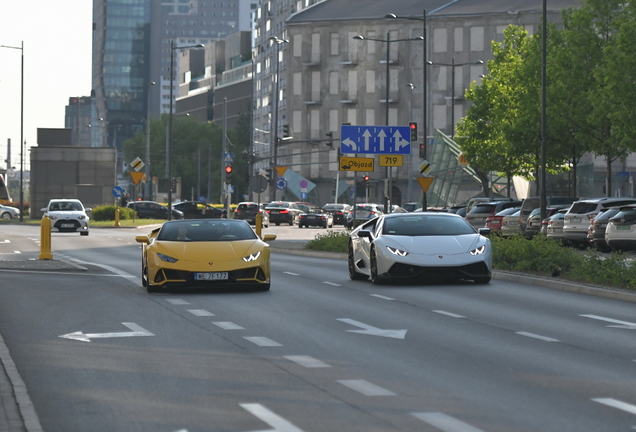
{"type": "Point", "coordinates": [57, 36]}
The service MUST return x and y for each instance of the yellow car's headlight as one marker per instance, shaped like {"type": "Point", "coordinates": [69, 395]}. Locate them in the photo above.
{"type": "Point", "coordinates": [252, 257]}
{"type": "Point", "coordinates": [167, 258]}
{"type": "Point", "coordinates": [480, 250]}
{"type": "Point", "coordinates": [397, 252]}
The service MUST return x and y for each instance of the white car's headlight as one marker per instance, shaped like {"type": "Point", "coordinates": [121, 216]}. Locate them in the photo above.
{"type": "Point", "coordinates": [52, 217]}
{"type": "Point", "coordinates": [480, 250]}
{"type": "Point", "coordinates": [81, 217]}
{"type": "Point", "coordinates": [252, 257]}
{"type": "Point", "coordinates": [167, 258]}
{"type": "Point", "coordinates": [397, 252]}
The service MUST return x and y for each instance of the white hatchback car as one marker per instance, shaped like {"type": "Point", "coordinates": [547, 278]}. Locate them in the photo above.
{"type": "Point", "coordinates": [67, 215]}
{"type": "Point", "coordinates": [620, 233]}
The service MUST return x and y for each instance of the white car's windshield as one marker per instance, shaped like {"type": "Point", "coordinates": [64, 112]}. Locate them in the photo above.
{"type": "Point", "coordinates": [426, 225]}
{"type": "Point", "coordinates": [65, 206]}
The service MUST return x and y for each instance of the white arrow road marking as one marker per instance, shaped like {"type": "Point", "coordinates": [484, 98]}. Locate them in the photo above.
{"type": "Point", "coordinates": [374, 331]}
{"type": "Point", "coordinates": [444, 422]}
{"type": "Point", "coordinates": [622, 324]}
{"type": "Point", "coordinates": [226, 325]}
{"type": "Point", "coordinates": [136, 331]}
{"type": "Point", "coordinates": [536, 336]}
{"type": "Point", "coordinates": [452, 315]}
{"type": "Point", "coordinates": [381, 297]}
{"type": "Point", "coordinates": [200, 312]}
{"type": "Point", "coordinates": [308, 362]}
{"type": "Point", "coordinates": [366, 388]}
{"type": "Point", "coordinates": [617, 404]}
{"type": "Point", "coordinates": [277, 422]}
{"type": "Point", "coordinates": [262, 341]}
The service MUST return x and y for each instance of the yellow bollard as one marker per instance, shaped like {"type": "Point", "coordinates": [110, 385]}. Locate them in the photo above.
{"type": "Point", "coordinates": [117, 217]}
{"type": "Point", "coordinates": [259, 224]}
{"type": "Point", "coordinates": [45, 239]}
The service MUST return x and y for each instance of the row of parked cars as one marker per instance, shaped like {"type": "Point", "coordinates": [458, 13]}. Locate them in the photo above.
{"type": "Point", "coordinates": [607, 223]}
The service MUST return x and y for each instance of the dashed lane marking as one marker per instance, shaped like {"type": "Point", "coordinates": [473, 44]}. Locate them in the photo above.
{"type": "Point", "coordinates": [200, 312]}
{"type": "Point", "coordinates": [536, 336]}
{"type": "Point", "coordinates": [445, 422]}
{"type": "Point", "coordinates": [366, 388]}
{"type": "Point", "coordinates": [449, 314]}
{"type": "Point", "coordinates": [226, 325]}
{"type": "Point", "coordinates": [262, 341]}
{"type": "Point", "coordinates": [308, 362]}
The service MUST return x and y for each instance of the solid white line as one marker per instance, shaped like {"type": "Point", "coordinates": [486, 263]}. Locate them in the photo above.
{"type": "Point", "coordinates": [200, 312]}
{"type": "Point", "coordinates": [331, 283]}
{"type": "Point", "coordinates": [27, 412]}
{"type": "Point", "coordinates": [308, 362]}
{"type": "Point", "coordinates": [226, 325]}
{"type": "Point", "coordinates": [535, 336]}
{"type": "Point", "coordinates": [452, 315]}
{"type": "Point", "coordinates": [277, 422]}
{"type": "Point", "coordinates": [262, 341]}
{"type": "Point", "coordinates": [381, 297]}
{"type": "Point", "coordinates": [600, 318]}
{"type": "Point", "coordinates": [290, 273]}
{"type": "Point", "coordinates": [177, 301]}
{"type": "Point", "coordinates": [444, 422]}
{"type": "Point", "coordinates": [366, 388]}
{"type": "Point", "coordinates": [617, 404]}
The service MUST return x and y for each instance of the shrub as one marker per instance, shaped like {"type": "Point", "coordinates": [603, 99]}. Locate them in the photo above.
{"type": "Point", "coordinates": [331, 241]}
{"type": "Point", "coordinates": [107, 213]}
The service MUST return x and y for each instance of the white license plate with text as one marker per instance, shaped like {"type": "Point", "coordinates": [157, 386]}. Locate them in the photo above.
{"type": "Point", "coordinates": [211, 276]}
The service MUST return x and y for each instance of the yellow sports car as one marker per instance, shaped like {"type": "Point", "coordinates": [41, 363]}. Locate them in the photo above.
{"type": "Point", "coordinates": [205, 253]}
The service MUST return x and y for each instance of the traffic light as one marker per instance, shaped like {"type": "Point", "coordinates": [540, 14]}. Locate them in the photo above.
{"type": "Point", "coordinates": [365, 178]}
{"type": "Point", "coordinates": [228, 174]}
{"type": "Point", "coordinates": [423, 150]}
{"type": "Point", "coordinates": [413, 127]}
{"type": "Point", "coordinates": [286, 131]}
{"type": "Point", "coordinates": [330, 142]}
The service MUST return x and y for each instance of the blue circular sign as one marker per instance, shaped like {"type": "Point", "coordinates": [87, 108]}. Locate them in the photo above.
{"type": "Point", "coordinates": [281, 184]}
{"type": "Point", "coordinates": [118, 191]}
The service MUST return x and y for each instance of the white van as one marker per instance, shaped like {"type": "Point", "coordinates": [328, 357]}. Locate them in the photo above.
{"type": "Point", "coordinates": [532, 203]}
{"type": "Point", "coordinates": [578, 218]}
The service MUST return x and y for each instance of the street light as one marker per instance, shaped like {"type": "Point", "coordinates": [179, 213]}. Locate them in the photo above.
{"type": "Point", "coordinates": [274, 128]}
{"type": "Point", "coordinates": [21, 48]}
{"type": "Point", "coordinates": [147, 189]}
{"type": "Point", "coordinates": [169, 152]}
{"type": "Point", "coordinates": [453, 65]}
{"type": "Point", "coordinates": [424, 87]}
{"type": "Point", "coordinates": [411, 86]}
{"type": "Point", "coordinates": [388, 41]}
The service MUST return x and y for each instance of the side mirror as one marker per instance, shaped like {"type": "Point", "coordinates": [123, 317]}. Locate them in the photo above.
{"type": "Point", "coordinates": [365, 234]}
{"type": "Point", "coordinates": [88, 209]}
{"type": "Point", "coordinates": [269, 237]}
{"type": "Point", "coordinates": [484, 231]}
{"type": "Point", "coordinates": [43, 209]}
{"type": "Point", "coordinates": [142, 239]}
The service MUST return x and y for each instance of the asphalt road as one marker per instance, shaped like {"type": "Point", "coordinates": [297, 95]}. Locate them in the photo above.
{"type": "Point", "coordinates": [319, 352]}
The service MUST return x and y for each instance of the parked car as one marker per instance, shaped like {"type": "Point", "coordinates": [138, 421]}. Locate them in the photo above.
{"type": "Point", "coordinates": [510, 224]}
{"type": "Point", "coordinates": [419, 246]}
{"type": "Point", "coordinates": [554, 230]}
{"type": "Point", "coordinates": [363, 213]}
{"type": "Point", "coordinates": [8, 212]}
{"type": "Point", "coordinates": [577, 219]}
{"type": "Point", "coordinates": [67, 215]}
{"type": "Point", "coordinates": [532, 203]}
{"type": "Point", "coordinates": [199, 253]}
{"type": "Point", "coordinates": [247, 211]}
{"type": "Point", "coordinates": [410, 206]}
{"type": "Point", "coordinates": [315, 217]}
{"type": "Point", "coordinates": [153, 210]}
{"type": "Point", "coordinates": [458, 210]}
{"type": "Point", "coordinates": [494, 222]}
{"type": "Point", "coordinates": [307, 207]}
{"type": "Point", "coordinates": [199, 210]}
{"type": "Point", "coordinates": [394, 209]}
{"type": "Point", "coordinates": [596, 230]}
{"type": "Point", "coordinates": [478, 215]}
{"type": "Point", "coordinates": [534, 222]}
{"type": "Point", "coordinates": [481, 200]}
{"type": "Point", "coordinates": [339, 212]}
{"type": "Point", "coordinates": [620, 233]}
{"type": "Point", "coordinates": [283, 212]}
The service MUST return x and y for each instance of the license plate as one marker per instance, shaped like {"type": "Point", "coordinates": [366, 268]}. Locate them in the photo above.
{"type": "Point", "coordinates": [67, 225]}
{"type": "Point", "coordinates": [211, 276]}
{"type": "Point", "coordinates": [623, 227]}
{"type": "Point", "coordinates": [575, 220]}
{"type": "Point", "coordinates": [510, 223]}
{"type": "Point", "coordinates": [311, 217]}
{"type": "Point", "coordinates": [362, 214]}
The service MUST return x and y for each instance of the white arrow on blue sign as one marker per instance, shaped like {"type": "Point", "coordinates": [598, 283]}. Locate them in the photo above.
{"type": "Point", "coordinates": [375, 139]}
{"type": "Point", "coordinates": [281, 183]}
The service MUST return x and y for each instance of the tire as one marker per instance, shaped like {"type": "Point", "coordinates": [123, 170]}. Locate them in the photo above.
{"type": "Point", "coordinates": [300, 226]}
{"type": "Point", "coordinates": [374, 268]}
{"type": "Point", "coordinates": [482, 280]}
{"type": "Point", "coordinates": [6, 215]}
{"type": "Point", "coordinates": [144, 276]}
{"type": "Point", "coordinates": [353, 274]}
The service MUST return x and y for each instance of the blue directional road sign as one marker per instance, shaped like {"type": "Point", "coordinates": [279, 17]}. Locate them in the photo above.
{"type": "Point", "coordinates": [281, 183]}
{"type": "Point", "coordinates": [375, 139]}
{"type": "Point", "coordinates": [118, 191]}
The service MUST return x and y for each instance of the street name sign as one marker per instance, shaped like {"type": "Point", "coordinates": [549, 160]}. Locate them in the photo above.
{"type": "Point", "coordinates": [375, 139]}
{"type": "Point", "coordinates": [356, 164]}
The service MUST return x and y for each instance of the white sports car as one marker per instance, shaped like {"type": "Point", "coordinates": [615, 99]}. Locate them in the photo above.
{"type": "Point", "coordinates": [419, 247]}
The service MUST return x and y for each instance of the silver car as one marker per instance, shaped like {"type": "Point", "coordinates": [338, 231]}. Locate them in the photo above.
{"type": "Point", "coordinates": [8, 212]}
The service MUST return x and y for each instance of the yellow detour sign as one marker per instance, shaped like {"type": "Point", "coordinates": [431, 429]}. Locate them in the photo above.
{"type": "Point", "coordinates": [356, 164]}
{"type": "Point", "coordinates": [390, 160]}
{"type": "Point", "coordinates": [462, 159]}
{"type": "Point", "coordinates": [425, 182]}
{"type": "Point", "coordinates": [136, 177]}
{"type": "Point", "coordinates": [281, 171]}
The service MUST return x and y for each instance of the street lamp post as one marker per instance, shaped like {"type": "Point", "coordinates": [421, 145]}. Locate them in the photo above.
{"type": "Point", "coordinates": [453, 65]}
{"type": "Point", "coordinates": [274, 128]}
{"type": "Point", "coordinates": [388, 41]}
{"type": "Point", "coordinates": [147, 188]}
{"type": "Point", "coordinates": [169, 148]}
{"type": "Point", "coordinates": [21, 48]}
{"type": "Point", "coordinates": [411, 86]}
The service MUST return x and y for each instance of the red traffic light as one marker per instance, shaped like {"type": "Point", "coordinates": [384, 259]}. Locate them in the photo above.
{"type": "Point", "coordinates": [366, 178]}
{"type": "Point", "coordinates": [228, 169]}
